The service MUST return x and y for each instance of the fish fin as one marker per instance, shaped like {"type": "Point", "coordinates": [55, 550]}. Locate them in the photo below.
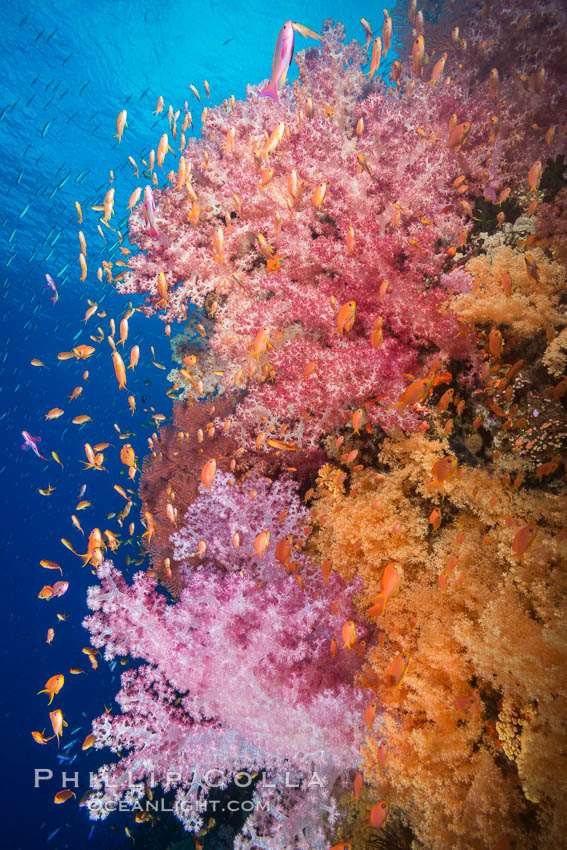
{"type": "Point", "coordinates": [271, 90]}
{"type": "Point", "coordinates": [37, 439]}
{"type": "Point", "coordinates": [377, 610]}
{"type": "Point", "coordinates": [25, 447]}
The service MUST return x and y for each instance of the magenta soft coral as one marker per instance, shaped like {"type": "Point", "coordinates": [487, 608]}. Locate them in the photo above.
{"type": "Point", "coordinates": [239, 674]}
{"type": "Point", "coordinates": [408, 180]}
{"type": "Point", "coordinates": [247, 509]}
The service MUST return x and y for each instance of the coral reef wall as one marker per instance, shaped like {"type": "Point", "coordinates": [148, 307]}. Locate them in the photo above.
{"type": "Point", "coordinates": [356, 521]}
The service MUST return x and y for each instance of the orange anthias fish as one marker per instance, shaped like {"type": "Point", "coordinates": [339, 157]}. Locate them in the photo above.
{"type": "Point", "coordinates": [39, 737]}
{"type": "Point", "coordinates": [128, 458]}
{"type": "Point", "coordinates": [120, 124]}
{"type": "Point", "coordinates": [279, 444]}
{"type": "Point", "coordinates": [435, 518]}
{"type": "Point", "coordinates": [357, 420]}
{"type": "Point", "coordinates": [370, 715]}
{"type": "Point", "coordinates": [306, 32]}
{"type": "Point", "coordinates": [218, 245]}
{"type": "Point", "coordinates": [261, 542]}
{"type": "Point", "coordinates": [150, 526]}
{"type": "Point", "coordinates": [318, 196]}
{"type": "Point", "coordinates": [345, 317]}
{"type": "Point", "coordinates": [119, 370]}
{"type": "Point", "coordinates": [208, 472]}
{"type": "Point", "coordinates": [134, 356]}
{"type": "Point", "coordinates": [376, 57]}
{"type": "Point", "coordinates": [418, 56]}
{"type": "Point", "coordinates": [284, 549]}
{"type": "Point", "coordinates": [274, 140]}
{"type": "Point", "coordinates": [379, 814]}
{"type": "Point", "coordinates": [391, 581]}
{"type": "Point", "coordinates": [63, 795]}
{"type": "Point", "coordinates": [261, 343]}
{"type": "Point", "coordinates": [57, 722]}
{"type": "Point", "coordinates": [51, 565]}
{"type": "Point", "coordinates": [95, 546]}
{"type": "Point", "coordinates": [397, 670]}
{"type": "Point", "coordinates": [524, 539]}
{"type": "Point", "coordinates": [349, 635]}
{"type": "Point", "coordinates": [534, 175]}
{"type": "Point", "coordinates": [442, 471]}
{"type": "Point", "coordinates": [414, 394]}
{"type": "Point", "coordinates": [60, 588]}
{"type": "Point", "coordinates": [438, 69]}
{"type": "Point", "coordinates": [53, 686]}
{"type": "Point", "coordinates": [88, 742]}
{"type": "Point", "coordinates": [458, 136]}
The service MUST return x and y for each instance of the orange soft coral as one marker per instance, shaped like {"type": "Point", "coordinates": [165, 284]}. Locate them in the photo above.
{"type": "Point", "coordinates": [494, 628]}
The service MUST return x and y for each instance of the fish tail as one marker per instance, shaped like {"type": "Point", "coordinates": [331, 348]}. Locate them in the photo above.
{"type": "Point", "coordinates": [377, 610]}
{"type": "Point", "coordinates": [271, 90]}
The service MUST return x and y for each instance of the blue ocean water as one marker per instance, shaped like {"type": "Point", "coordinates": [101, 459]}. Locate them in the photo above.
{"type": "Point", "coordinates": [68, 68]}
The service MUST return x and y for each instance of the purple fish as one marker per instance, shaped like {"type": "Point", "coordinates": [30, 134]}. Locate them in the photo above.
{"type": "Point", "coordinates": [149, 214]}
{"type": "Point", "coordinates": [149, 210]}
{"type": "Point", "coordinates": [31, 443]}
{"type": "Point", "coordinates": [51, 285]}
{"type": "Point", "coordinates": [282, 60]}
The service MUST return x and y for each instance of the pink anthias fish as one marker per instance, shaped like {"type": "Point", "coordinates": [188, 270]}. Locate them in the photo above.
{"type": "Point", "coordinates": [51, 285]}
{"type": "Point", "coordinates": [31, 443]}
{"type": "Point", "coordinates": [282, 60]}
{"type": "Point", "coordinates": [149, 214]}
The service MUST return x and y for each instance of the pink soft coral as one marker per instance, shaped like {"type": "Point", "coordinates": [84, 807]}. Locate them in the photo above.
{"type": "Point", "coordinates": [239, 674]}
{"type": "Point", "coordinates": [400, 207]}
